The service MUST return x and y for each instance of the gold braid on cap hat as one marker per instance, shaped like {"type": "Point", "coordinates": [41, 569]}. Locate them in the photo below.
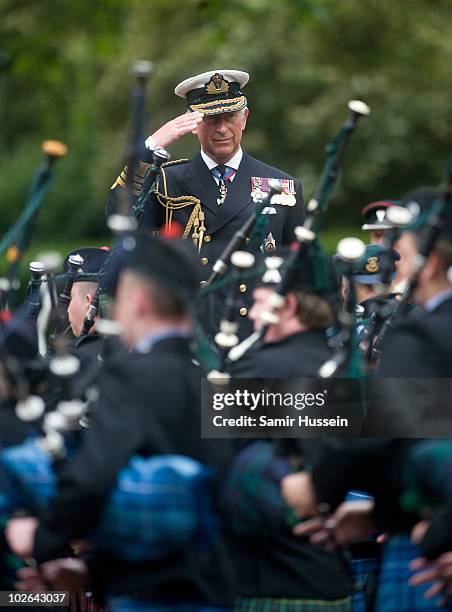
{"type": "Point", "coordinates": [197, 217]}
{"type": "Point", "coordinates": [220, 106]}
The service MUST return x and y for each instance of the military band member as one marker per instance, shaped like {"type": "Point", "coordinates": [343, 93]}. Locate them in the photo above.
{"type": "Point", "coordinates": [296, 346]}
{"type": "Point", "coordinates": [149, 399]}
{"type": "Point", "coordinates": [421, 346]}
{"type": "Point", "coordinates": [377, 301]}
{"type": "Point", "coordinates": [86, 282]}
{"type": "Point", "coordinates": [277, 569]}
{"type": "Point", "coordinates": [211, 195]}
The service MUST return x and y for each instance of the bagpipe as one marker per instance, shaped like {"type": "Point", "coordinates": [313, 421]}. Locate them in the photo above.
{"type": "Point", "coordinates": [307, 235]}
{"type": "Point", "coordinates": [347, 356]}
{"type": "Point", "coordinates": [249, 231]}
{"type": "Point", "coordinates": [18, 237]}
{"type": "Point", "coordinates": [128, 220]}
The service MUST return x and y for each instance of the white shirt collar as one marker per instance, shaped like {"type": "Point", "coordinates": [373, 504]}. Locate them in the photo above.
{"type": "Point", "coordinates": [234, 162]}
{"type": "Point", "coordinates": [438, 299]}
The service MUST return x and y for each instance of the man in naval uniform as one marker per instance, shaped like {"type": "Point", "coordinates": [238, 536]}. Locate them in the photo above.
{"type": "Point", "coordinates": [213, 194]}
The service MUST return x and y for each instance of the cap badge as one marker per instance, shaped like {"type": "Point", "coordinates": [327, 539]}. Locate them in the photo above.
{"type": "Point", "coordinates": [217, 85]}
{"type": "Point", "coordinates": [381, 214]}
{"type": "Point", "coordinates": [372, 265]}
{"type": "Point", "coordinates": [269, 243]}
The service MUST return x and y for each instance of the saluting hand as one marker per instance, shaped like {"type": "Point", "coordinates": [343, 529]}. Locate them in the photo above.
{"type": "Point", "coordinates": [176, 128]}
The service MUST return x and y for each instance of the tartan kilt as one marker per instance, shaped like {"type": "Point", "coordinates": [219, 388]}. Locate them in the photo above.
{"type": "Point", "coordinates": [394, 594]}
{"type": "Point", "coordinates": [264, 604]}
{"type": "Point", "coordinates": [363, 569]}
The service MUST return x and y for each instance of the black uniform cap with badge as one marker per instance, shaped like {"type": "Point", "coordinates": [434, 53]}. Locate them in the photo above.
{"type": "Point", "coordinates": [374, 215]}
{"type": "Point", "coordinates": [170, 263]}
{"type": "Point", "coordinates": [93, 260]}
{"type": "Point", "coordinates": [369, 269]}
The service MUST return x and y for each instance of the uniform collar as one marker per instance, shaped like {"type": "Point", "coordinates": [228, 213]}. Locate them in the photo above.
{"type": "Point", "coordinates": [234, 162]}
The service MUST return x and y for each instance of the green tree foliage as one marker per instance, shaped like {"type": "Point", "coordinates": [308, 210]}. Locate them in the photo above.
{"type": "Point", "coordinates": [69, 79]}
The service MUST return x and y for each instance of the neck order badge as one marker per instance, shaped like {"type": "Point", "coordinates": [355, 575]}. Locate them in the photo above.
{"type": "Point", "coordinates": [223, 174]}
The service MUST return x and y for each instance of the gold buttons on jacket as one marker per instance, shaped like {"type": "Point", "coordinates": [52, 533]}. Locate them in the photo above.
{"type": "Point", "coordinates": [243, 312]}
{"type": "Point", "coordinates": [242, 288]}
{"type": "Point", "coordinates": [204, 261]}
{"type": "Point", "coordinates": [207, 238]}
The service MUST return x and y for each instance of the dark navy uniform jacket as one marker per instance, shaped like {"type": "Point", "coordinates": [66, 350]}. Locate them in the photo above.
{"type": "Point", "coordinates": [193, 178]}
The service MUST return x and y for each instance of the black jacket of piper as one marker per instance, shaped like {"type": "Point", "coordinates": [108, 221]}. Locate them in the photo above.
{"type": "Point", "coordinates": [420, 347]}
{"type": "Point", "coordinates": [193, 178]}
{"type": "Point", "coordinates": [148, 405]}
{"type": "Point", "coordinates": [298, 356]}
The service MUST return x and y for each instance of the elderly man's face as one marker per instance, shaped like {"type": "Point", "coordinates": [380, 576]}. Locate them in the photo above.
{"type": "Point", "coordinates": [220, 135]}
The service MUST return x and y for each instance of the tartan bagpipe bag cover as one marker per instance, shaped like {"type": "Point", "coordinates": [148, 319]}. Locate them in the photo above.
{"type": "Point", "coordinates": [158, 504]}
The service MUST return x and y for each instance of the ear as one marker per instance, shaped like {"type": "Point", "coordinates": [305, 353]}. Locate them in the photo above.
{"type": "Point", "coordinates": [430, 268]}
{"type": "Point", "coordinates": [290, 307]}
{"type": "Point", "coordinates": [142, 301]}
{"type": "Point", "coordinates": [245, 118]}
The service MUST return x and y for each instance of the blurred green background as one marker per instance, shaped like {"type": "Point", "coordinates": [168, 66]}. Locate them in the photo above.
{"type": "Point", "coordinates": [69, 79]}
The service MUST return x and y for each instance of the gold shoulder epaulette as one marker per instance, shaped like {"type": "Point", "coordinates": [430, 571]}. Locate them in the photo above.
{"type": "Point", "coordinates": [138, 178]}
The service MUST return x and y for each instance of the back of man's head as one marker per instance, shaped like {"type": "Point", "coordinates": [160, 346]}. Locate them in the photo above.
{"type": "Point", "coordinates": [158, 282]}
